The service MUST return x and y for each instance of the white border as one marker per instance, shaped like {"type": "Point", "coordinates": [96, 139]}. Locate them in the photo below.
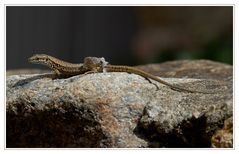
{"type": "Point", "coordinates": [3, 4]}
{"type": "Point", "coordinates": [120, 2]}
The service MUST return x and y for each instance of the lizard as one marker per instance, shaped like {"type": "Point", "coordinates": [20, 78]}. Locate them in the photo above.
{"type": "Point", "coordinates": [60, 67]}
{"type": "Point", "coordinates": [95, 65]}
{"type": "Point", "coordinates": [100, 65]}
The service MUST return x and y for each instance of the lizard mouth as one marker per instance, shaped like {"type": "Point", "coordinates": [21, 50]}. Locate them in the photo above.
{"type": "Point", "coordinates": [32, 60]}
{"type": "Point", "coordinates": [35, 60]}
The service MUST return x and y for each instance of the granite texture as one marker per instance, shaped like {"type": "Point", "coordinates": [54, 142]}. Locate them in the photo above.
{"type": "Point", "coordinates": [119, 110]}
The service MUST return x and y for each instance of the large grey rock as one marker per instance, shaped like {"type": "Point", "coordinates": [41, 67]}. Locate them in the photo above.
{"type": "Point", "coordinates": [115, 110]}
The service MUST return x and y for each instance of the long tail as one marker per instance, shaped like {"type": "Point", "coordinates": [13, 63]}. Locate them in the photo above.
{"type": "Point", "coordinates": [128, 69]}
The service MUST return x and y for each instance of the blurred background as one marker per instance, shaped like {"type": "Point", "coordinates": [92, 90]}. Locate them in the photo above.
{"type": "Point", "coordinates": [129, 35]}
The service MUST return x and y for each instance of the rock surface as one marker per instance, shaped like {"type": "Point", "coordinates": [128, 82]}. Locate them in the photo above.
{"type": "Point", "coordinates": [119, 109]}
{"type": "Point", "coordinates": [223, 138]}
{"type": "Point", "coordinates": [25, 71]}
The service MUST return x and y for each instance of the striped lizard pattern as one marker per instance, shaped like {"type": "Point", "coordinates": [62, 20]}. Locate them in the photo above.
{"type": "Point", "coordinates": [96, 65]}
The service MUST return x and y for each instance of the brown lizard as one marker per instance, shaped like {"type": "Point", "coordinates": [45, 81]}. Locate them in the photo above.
{"type": "Point", "coordinates": [100, 65]}
{"type": "Point", "coordinates": [94, 65]}
{"type": "Point", "coordinates": [60, 67]}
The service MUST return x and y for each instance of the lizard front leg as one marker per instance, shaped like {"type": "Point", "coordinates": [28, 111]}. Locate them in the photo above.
{"type": "Point", "coordinates": [90, 72]}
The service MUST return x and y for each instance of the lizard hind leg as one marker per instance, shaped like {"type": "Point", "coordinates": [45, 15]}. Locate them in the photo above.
{"type": "Point", "coordinates": [157, 88]}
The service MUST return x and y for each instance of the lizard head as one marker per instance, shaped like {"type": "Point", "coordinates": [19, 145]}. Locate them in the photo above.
{"type": "Point", "coordinates": [38, 58]}
{"type": "Point", "coordinates": [95, 63]}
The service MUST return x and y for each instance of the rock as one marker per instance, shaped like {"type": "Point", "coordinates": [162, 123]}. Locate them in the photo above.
{"type": "Point", "coordinates": [223, 138]}
{"type": "Point", "coordinates": [25, 71]}
{"type": "Point", "coordinates": [200, 69]}
{"type": "Point", "coordinates": [115, 110]}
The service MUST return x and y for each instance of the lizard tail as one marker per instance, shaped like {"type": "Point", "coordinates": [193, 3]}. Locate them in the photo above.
{"type": "Point", "coordinates": [128, 69]}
